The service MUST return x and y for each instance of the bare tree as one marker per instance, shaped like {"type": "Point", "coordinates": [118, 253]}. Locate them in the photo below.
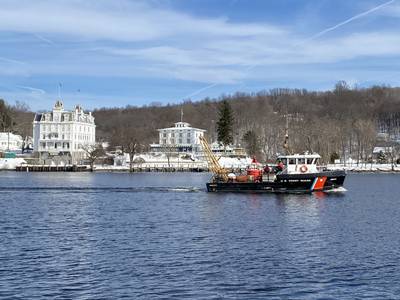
{"type": "Point", "coordinates": [132, 148]}
{"type": "Point", "coordinates": [92, 152]}
{"type": "Point", "coordinates": [168, 150]}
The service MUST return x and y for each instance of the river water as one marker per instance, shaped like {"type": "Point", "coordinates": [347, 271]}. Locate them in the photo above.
{"type": "Point", "coordinates": [162, 236]}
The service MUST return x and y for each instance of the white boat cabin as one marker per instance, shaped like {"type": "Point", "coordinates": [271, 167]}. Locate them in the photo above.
{"type": "Point", "coordinates": [300, 163]}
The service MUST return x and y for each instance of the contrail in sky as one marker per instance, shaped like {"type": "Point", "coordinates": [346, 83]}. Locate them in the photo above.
{"type": "Point", "coordinates": [44, 39]}
{"type": "Point", "coordinates": [32, 89]}
{"type": "Point", "coordinates": [363, 14]}
{"type": "Point", "coordinates": [12, 61]}
{"type": "Point", "coordinates": [200, 90]}
{"type": "Point", "coordinates": [313, 37]}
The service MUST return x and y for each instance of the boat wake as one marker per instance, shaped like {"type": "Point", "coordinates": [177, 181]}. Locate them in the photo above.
{"type": "Point", "coordinates": [337, 190]}
{"type": "Point", "coordinates": [150, 189]}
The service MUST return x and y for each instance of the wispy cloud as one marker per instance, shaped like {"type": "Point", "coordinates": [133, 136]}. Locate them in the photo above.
{"type": "Point", "coordinates": [150, 40]}
{"type": "Point", "coordinates": [116, 20]}
{"type": "Point", "coordinates": [310, 53]}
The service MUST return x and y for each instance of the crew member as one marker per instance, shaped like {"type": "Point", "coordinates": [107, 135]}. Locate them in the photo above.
{"type": "Point", "coordinates": [280, 166]}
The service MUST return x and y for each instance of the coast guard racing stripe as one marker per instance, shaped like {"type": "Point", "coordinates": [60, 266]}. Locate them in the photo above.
{"type": "Point", "coordinates": [318, 183]}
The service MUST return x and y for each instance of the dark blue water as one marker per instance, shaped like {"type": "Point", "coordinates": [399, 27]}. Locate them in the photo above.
{"type": "Point", "coordinates": [161, 236]}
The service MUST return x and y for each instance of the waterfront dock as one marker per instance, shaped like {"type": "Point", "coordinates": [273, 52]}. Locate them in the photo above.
{"type": "Point", "coordinates": [51, 168]}
{"type": "Point", "coordinates": [104, 168]}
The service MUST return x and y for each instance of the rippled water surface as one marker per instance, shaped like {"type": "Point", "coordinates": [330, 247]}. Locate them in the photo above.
{"type": "Point", "coordinates": [162, 236]}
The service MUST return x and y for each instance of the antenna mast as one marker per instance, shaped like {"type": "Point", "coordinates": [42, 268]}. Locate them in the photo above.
{"type": "Point", "coordinates": [286, 142]}
{"type": "Point", "coordinates": [59, 90]}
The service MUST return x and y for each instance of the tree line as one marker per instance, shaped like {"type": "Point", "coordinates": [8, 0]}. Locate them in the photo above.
{"type": "Point", "coordinates": [343, 122]}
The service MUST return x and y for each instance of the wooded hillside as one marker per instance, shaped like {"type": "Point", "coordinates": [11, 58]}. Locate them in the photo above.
{"type": "Point", "coordinates": [343, 122]}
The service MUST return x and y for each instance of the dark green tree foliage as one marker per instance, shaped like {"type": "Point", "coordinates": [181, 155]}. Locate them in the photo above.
{"type": "Point", "coordinates": [382, 159]}
{"type": "Point", "coordinates": [225, 123]}
{"type": "Point", "coordinates": [252, 143]}
{"type": "Point", "coordinates": [5, 116]}
{"type": "Point", "coordinates": [334, 156]}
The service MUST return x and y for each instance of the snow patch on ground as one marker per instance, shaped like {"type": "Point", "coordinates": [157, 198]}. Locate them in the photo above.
{"type": "Point", "coordinates": [365, 167]}
{"type": "Point", "coordinates": [11, 163]}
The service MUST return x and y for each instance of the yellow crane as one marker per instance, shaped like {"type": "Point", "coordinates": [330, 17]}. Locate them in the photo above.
{"type": "Point", "coordinates": [213, 164]}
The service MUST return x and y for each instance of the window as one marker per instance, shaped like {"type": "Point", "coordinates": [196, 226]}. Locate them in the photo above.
{"type": "Point", "coordinates": [309, 161]}
{"type": "Point", "coordinates": [188, 141]}
{"type": "Point", "coordinates": [180, 134]}
{"type": "Point", "coordinates": [164, 141]}
{"type": "Point", "coordinates": [164, 135]}
{"type": "Point", "coordinates": [172, 134]}
{"type": "Point", "coordinates": [292, 161]}
{"type": "Point", "coordinates": [180, 141]}
{"type": "Point", "coordinates": [302, 161]}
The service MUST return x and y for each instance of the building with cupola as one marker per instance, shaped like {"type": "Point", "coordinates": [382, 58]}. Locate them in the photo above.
{"type": "Point", "coordinates": [62, 135]}
{"type": "Point", "coordinates": [180, 138]}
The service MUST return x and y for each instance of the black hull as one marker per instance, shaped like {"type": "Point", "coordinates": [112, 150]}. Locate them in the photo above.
{"type": "Point", "coordinates": [285, 183]}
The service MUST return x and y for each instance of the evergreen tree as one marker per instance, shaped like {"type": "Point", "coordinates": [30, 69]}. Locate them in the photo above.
{"type": "Point", "coordinates": [225, 123]}
{"type": "Point", "coordinates": [382, 157]}
{"type": "Point", "coordinates": [5, 116]}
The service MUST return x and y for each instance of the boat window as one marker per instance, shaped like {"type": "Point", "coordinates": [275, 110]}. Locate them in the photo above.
{"type": "Point", "coordinates": [309, 161]}
{"type": "Point", "coordinates": [316, 161]}
{"type": "Point", "coordinates": [284, 161]}
{"type": "Point", "coordinates": [302, 161]}
{"type": "Point", "coordinates": [292, 161]}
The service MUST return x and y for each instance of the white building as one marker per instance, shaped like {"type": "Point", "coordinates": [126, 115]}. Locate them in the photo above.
{"type": "Point", "coordinates": [229, 150]}
{"type": "Point", "coordinates": [10, 142]}
{"type": "Point", "coordinates": [63, 134]}
{"type": "Point", "coordinates": [180, 138]}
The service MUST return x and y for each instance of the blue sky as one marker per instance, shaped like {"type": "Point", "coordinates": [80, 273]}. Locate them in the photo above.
{"type": "Point", "coordinates": [120, 52]}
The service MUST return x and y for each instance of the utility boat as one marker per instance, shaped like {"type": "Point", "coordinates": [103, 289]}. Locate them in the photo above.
{"type": "Point", "coordinates": [297, 173]}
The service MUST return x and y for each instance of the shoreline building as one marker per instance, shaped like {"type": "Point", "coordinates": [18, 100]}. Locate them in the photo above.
{"type": "Point", "coordinates": [10, 142]}
{"type": "Point", "coordinates": [62, 135]}
{"type": "Point", "coordinates": [180, 138]}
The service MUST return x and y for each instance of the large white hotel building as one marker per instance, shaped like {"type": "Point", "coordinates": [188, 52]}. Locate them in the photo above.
{"type": "Point", "coordinates": [180, 138]}
{"type": "Point", "coordinates": [63, 134]}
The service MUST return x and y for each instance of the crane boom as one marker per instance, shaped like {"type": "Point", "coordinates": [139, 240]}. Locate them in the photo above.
{"type": "Point", "coordinates": [212, 161]}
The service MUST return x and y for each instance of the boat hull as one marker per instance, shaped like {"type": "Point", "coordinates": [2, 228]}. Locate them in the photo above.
{"type": "Point", "coordinates": [285, 183]}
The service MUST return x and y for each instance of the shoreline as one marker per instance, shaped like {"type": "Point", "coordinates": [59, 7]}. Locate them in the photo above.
{"type": "Point", "coordinates": [377, 169]}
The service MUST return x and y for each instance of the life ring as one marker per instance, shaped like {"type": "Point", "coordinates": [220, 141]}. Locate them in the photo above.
{"type": "Point", "coordinates": [303, 169]}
